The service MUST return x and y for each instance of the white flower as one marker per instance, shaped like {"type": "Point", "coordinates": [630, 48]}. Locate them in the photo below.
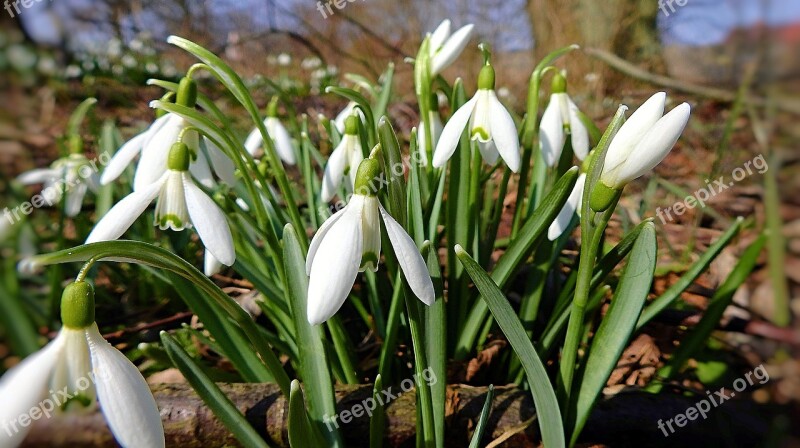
{"type": "Point", "coordinates": [70, 177]}
{"type": "Point", "coordinates": [349, 242]}
{"type": "Point", "coordinates": [154, 145]}
{"type": "Point", "coordinates": [284, 59]}
{"type": "Point", "coordinates": [444, 48]}
{"type": "Point", "coordinates": [344, 160]}
{"type": "Point", "coordinates": [279, 135]}
{"type": "Point", "coordinates": [562, 115]}
{"type": "Point", "coordinates": [436, 124]}
{"type": "Point", "coordinates": [348, 110]}
{"type": "Point", "coordinates": [572, 205]}
{"type": "Point", "coordinates": [643, 141]}
{"type": "Point", "coordinates": [181, 204]}
{"type": "Point", "coordinates": [488, 122]}
{"type": "Point", "coordinates": [79, 368]}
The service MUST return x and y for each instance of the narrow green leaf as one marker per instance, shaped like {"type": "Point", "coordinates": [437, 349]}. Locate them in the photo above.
{"type": "Point", "coordinates": [544, 397]}
{"type": "Point", "coordinates": [211, 395]}
{"type": "Point", "coordinates": [377, 421]}
{"type": "Point", "coordinates": [483, 421]}
{"type": "Point", "coordinates": [75, 120]}
{"type": "Point", "coordinates": [301, 434]}
{"type": "Point", "coordinates": [313, 362]}
{"type": "Point", "coordinates": [618, 324]}
{"type": "Point", "coordinates": [393, 169]}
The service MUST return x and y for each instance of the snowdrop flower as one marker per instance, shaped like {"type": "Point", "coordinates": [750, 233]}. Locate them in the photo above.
{"type": "Point", "coordinates": [639, 145]}
{"type": "Point", "coordinates": [181, 204]}
{"type": "Point", "coordinates": [342, 117]}
{"type": "Point", "coordinates": [80, 369]}
{"type": "Point", "coordinates": [488, 122]}
{"type": "Point", "coordinates": [154, 146]}
{"type": "Point", "coordinates": [560, 116]}
{"type": "Point", "coordinates": [349, 242]}
{"type": "Point", "coordinates": [278, 134]}
{"type": "Point", "coordinates": [445, 48]}
{"type": "Point", "coordinates": [70, 177]}
{"type": "Point", "coordinates": [572, 205]}
{"type": "Point", "coordinates": [344, 160]}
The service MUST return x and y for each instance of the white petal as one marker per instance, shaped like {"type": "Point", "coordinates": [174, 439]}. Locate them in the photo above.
{"type": "Point", "coordinates": [23, 387]}
{"type": "Point", "coordinates": [334, 170]}
{"type": "Point", "coordinates": [210, 223]}
{"type": "Point", "coordinates": [342, 116]}
{"type": "Point", "coordinates": [439, 36]}
{"type": "Point", "coordinates": [451, 134]}
{"type": "Point", "coordinates": [74, 199]}
{"type": "Point", "coordinates": [410, 260]}
{"type": "Point", "coordinates": [551, 133]}
{"type": "Point", "coordinates": [38, 176]}
{"type": "Point", "coordinates": [283, 142]}
{"type": "Point", "coordinates": [125, 399]}
{"type": "Point", "coordinates": [488, 152]}
{"type": "Point", "coordinates": [336, 264]}
{"type": "Point", "coordinates": [122, 215]}
{"type": "Point", "coordinates": [171, 210]}
{"type": "Point", "coordinates": [253, 142]}
{"type": "Point", "coordinates": [578, 132]}
{"type": "Point", "coordinates": [211, 265]}
{"type": "Point", "coordinates": [504, 133]}
{"type": "Point", "coordinates": [451, 49]}
{"type": "Point", "coordinates": [319, 236]}
{"type": "Point", "coordinates": [633, 130]}
{"type": "Point", "coordinates": [355, 157]}
{"type": "Point", "coordinates": [155, 153]}
{"type": "Point", "coordinates": [222, 164]}
{"type": "Point", "coordinates": [201, 171]}
{"type": "Point", "coordinates": [655, 145]}
{"type": "Point", "coordinates": [371, 229]}
{"type": "Point", "coordinates": [123, 157]}
{"type": "Point", "coordinates": [565, 215]}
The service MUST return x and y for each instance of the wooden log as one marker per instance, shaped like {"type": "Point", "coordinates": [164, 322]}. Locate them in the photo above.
{"type": "Point", "coordinates": [627, 419]}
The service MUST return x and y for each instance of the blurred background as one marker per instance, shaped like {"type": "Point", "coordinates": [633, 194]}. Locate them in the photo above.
{"type": "Point", "coordinates": [737, 62]}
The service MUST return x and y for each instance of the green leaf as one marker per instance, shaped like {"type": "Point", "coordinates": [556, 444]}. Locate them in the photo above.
{"type": "Point", "coordinates": [313, 362]}
{"type": "Point", "coordinates": [382, 103]}
{"type": "Point", "coordinates": [301, 434]}
{"type": "Point", "coordinates": [436, 343]}
{"type": "Point", "coordinates": [17, 326]}
{"type": "Point", "coordinates": [362, 103]}
{"type": "Point", "coordinates": [377, 421]}
{"type": "Point", "coordinates": [150, 255]}
{"type": "Point", "coordinates": [675, 291]}
{"type": "Point", "coordinates": [75, 120]}
{"type": "Point", "coordinates": [483, 421]}
{"type": "Point", "coordinates": [392, 162]}
{"type": "Point", "coordinates": [517, 252]}
{"type": "Point", "coordinates": [618, 324]}
{"type": "Point", "coordinates": [212, 396]}
{"type": "Point", "coordinates": [544, 397]}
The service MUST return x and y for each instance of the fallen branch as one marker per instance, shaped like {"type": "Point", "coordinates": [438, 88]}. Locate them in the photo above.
{"type": "Point", "coordinates": [616, 62]}
{"type": "Point", "coordinates": [627, 419]}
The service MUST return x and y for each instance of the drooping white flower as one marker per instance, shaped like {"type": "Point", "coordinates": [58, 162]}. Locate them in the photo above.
{"type": "Point", "coordinates": [344, 160]}
{"type": "Point", "coordinates": [80, 369]}
{"type": "Point", "coordinates": [572, 205]}
{"type": "Point", "coordinates": [436, 124]}
{"type": "Point", "coordinates": [70, 178]}
{"type": "Point", "coordinates": [341, 117]}
{"type": "Point", "coordinates": [562, 116]}
{"type": "Point", "coordinates": [349, 242]}
{"type": "Point", "coordinates": [643, 141]}
{"type": "Point", "coordinates": [487, 121]}
{"type": "Point", "coordinates": [181, 204]}
{"type": "Point", "coordinates": [445, 48]}
{"type": "Point", "coordinates": [278, 134]}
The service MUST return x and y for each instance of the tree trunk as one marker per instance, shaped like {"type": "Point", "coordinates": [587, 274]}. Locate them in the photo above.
{"type": "Point", "coordinates": [627, 419]}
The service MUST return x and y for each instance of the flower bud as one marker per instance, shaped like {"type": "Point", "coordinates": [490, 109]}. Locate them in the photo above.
{"type": "Point", "coordinates": [351, 125]}
{"type": "Point", "coordinates": [486, 78]}
{"type": "Point", "coordinates": [368, 172]}
{"type": "Point", "coordinates": [187, 92]}
{"type": "Point", "coordinates": [179, 157]}
{"type": "Point", "coordinates": [77, 305]}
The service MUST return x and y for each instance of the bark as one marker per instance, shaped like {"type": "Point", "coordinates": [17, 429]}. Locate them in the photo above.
{"type": "Point", "coordinates": [627, 419]}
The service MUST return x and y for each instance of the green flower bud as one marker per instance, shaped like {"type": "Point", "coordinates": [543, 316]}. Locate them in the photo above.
{"type": "Point", "coordinates": [77, 305]}
{"type": "Point", "coordinates": [486, 78]}
{"type": "Point", "coordinates": [179, 157]}
{"type": "Point", "coordinates": [369, 171]}
{"type": "Point", "coordinates": [351, 125]}
{"type": "Point", "coordinates": [187, 92]}
{"type": "Point", "coordinates": [587, 163]}
{"type": "Point", "coordinates": [602, 197]}
{"type": "Point", "coordinates": [559, 83]}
